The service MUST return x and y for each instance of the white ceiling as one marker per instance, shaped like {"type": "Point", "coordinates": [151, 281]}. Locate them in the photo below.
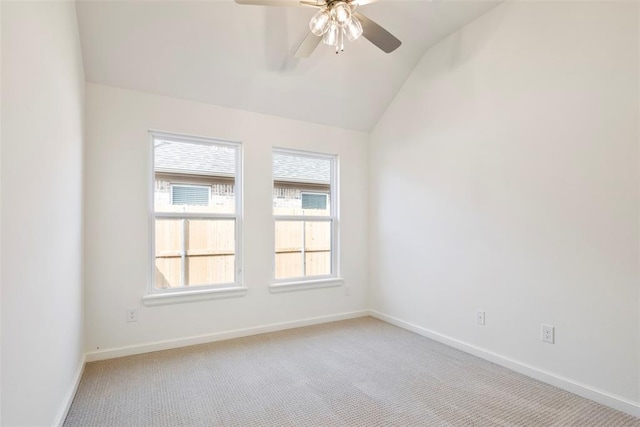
{"type": "Point", "coordinates": [240, 56]}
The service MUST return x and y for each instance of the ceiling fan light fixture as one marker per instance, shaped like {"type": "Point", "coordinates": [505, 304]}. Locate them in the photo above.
{"type": "Point", "coordinates": [334, 21]}
{"type": "Point", "coordinates": [353, 29]}
{"type": "Point", "coordinates": [341, 13]}
{"type": "Point", "coordinates": [331, 35]}
{"type": "Point", "coordinates": [320, 22]}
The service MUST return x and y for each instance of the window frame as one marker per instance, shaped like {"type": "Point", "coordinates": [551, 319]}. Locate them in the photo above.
{"type": "Point", "coordinates": [316, 281]}
{"type": "Point", "coordinates": [157, 296]}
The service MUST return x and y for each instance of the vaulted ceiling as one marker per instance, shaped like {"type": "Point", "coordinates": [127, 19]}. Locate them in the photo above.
{"type": "Point", "coordinates": [240, 56]}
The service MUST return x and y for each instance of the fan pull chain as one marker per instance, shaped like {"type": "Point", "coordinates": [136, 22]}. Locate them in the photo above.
{"type": "Point", "coordinates": [340, 41]}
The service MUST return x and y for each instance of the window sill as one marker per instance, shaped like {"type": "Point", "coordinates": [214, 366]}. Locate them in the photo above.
{"type": "Point", "coordinates": [275, 288]}
{"type": "Point", "coordinates": [190, 296]}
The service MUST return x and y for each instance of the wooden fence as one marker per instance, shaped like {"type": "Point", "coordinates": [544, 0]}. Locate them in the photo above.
{"type": "Point", "coordinates": [191, 252]}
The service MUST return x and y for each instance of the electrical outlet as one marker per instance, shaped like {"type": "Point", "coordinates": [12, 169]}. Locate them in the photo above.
{"type": "Point", "coordinates": [132, 314]}
{"type": "Point", "coordinates": [347, 291]}
{"type": "Point", "coordinates": [480, 317]}
{"type": "Point", "coordinates": [547, 334]}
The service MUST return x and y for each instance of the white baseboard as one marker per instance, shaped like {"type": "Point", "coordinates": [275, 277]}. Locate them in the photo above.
{"type": "Point", "coordinates": [218, 336]}
{"type": "Point", "coordinates": [592, 393]}
{"type": "Point", "coordinates": [71, 393]}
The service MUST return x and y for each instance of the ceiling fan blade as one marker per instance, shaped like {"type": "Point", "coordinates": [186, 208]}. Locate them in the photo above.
{"type": "Point", "coordinates": [269, 2]}
{"type": "Point", "coordinates": [317, 3]}
{"type": "Point", "coordinates": [378, 35]}
{"type": "Point", "coordinates": [307, 46]}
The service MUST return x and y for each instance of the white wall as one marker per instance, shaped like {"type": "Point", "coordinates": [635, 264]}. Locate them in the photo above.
{"type": "Point", "coordinates": [0, 213]}
{"type": "Point", "coordinates": [117, 179]}
{"type": "Point", "coordinates": [41, 187]}
{"type": "Point", "coordinates": [504, 178]}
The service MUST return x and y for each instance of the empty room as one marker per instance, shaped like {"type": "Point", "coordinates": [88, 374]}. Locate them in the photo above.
{"type": "Point", "coordinates": [319, 213]}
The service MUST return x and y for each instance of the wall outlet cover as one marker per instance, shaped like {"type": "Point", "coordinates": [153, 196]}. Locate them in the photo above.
{"type": "Point", "coordinates": [548, 334]}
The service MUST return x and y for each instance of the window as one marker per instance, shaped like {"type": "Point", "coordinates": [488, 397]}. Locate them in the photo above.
{"type": "Point", "coordinates": [194, 195]}
{"type": "Point", "coordinates": [305, 216]}
{"type": "Point", "coordinates": [195, 216]}
{"type": "Point", "coordinates": [314, 201]}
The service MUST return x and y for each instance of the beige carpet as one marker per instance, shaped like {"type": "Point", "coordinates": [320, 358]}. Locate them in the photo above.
{"type": "Point", "coordinates": [360, 372]}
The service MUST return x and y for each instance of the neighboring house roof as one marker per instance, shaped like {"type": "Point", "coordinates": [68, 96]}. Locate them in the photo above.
{"type": "Point", "coordinates": [194, 157]}
{"type": "Point", "coordinates": [287, 167]}
{"type": "Point", "coordinates": [220, 160]}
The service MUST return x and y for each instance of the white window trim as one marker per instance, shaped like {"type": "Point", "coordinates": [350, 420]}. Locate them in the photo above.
{"type": "Point", "coordinates": [275, 288]}
{"type": "Point", "coordinates": [156, 296]}
{"type": "Point", "coordinates": [312, 282]}
{"type": "Point", "coordinates": [193, 295]}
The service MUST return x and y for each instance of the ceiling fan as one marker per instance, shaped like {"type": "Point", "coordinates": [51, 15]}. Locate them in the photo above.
{"type": "Point", "coordinates": [333, 22]}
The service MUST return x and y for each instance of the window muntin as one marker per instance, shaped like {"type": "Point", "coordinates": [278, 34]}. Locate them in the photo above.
{"type": "Point", "coordinates": [196, 225]}
{"type": "Point", "coordinates": [305, 215]}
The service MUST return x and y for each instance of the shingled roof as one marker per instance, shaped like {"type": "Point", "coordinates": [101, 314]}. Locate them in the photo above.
{"type": "Point", "coordinates": [220, 160]}
{"type": "Point", "coordinates": [288, 167]}
{"type": "Point", "coordinates": [194, 157]}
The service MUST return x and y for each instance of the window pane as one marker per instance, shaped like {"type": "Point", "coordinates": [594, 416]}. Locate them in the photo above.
{"type": "Point", "coordinates": [295, 200]}
{"type": "Point", "coordinates": [210, 252]}
{"type": "Point", "coordinates": [194, 158]}
{"type": "Point", "coordinates": [192, 252]}
{"type": "Point", "coordinates": [298, 168]}
{"type": "Point", "coordinates": [195, 195]}
{"type": "Point", "coordinates": [318, 263]}
{"type": "Point", "coordinates": [194, 177]}
{"type": "Point", "coordinates": [168, 270]}
{"type": "Point", "coordinates": [302, 185]}
{"type": "Point", "coordinates": [317, 247]}
{"type": "Point", "coordinates": [314, 201]}
{"type": "Point", "coordinates": [289, 261]}
{"type": "Point", "coordinates": [293, 259]}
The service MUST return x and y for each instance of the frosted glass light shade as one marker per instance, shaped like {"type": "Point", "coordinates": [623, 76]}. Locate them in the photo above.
{"type": "Point", "coordinates": [341, 13]}
{"type": "Point", "coordinates": [353, 29]}
{"type": "Point", "coordinates": [320, 22]}
{"type": "Point", "coordinates": [331, 36]}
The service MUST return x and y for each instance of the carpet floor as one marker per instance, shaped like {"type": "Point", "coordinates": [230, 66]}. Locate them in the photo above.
{"type": "Point", "coordinates": [360, 372]}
